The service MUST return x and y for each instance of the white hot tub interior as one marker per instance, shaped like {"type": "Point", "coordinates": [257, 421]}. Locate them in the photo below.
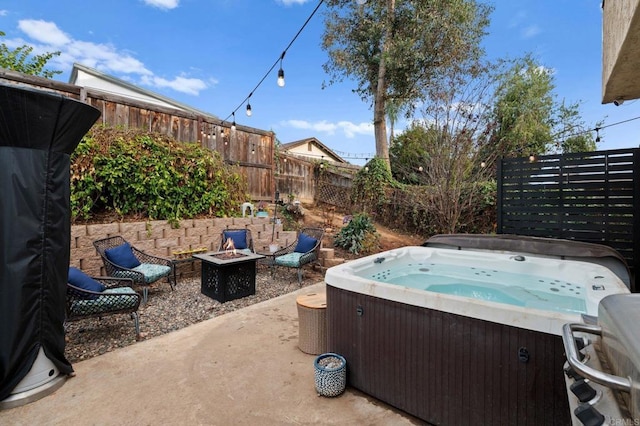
{"type": "Point", "coordinates": [535, 292]}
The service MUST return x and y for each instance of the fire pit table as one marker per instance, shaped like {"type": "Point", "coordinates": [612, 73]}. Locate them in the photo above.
{"type": "Point", "coordinates": [228, 275]}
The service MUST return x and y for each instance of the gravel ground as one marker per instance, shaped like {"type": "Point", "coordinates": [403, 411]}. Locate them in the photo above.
{"type": "Point", "coordinates": [168, 310]}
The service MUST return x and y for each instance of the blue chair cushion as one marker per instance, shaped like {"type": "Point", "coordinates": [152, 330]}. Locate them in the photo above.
{"type": "Point", "coordinates": [291, 260]}
{"type": "Point", "coordinates": [152, 272]}
{"type": "Point", "coordinates": [239, 238]}
{"type": "Point", "coordinates": [106, 303]}
{"type": "Point", "coordinates": [122, 255]}
{"type": "Point", "coordinates": [305, 243]}
{"type": "Point", "coordinates": [81, 280]}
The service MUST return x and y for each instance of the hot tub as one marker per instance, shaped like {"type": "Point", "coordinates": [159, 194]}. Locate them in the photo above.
{"type": "Point", "coordinates": [458, 334]}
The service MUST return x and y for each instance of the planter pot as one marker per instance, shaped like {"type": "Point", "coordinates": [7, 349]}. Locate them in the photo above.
{"type": "Point", "coordinates": [330, 374]}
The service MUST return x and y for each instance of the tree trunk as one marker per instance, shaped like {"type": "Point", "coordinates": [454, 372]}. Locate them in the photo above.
{"type": "Point", "coordinates": [379, 103]}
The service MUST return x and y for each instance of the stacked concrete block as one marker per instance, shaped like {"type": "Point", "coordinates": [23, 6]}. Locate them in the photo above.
{"type": "Point", "coordinates": [161, 239]}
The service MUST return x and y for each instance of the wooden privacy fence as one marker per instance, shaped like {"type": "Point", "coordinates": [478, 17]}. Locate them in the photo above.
{"type": "Point", "coordinates": [305, 179]}
{"type": "Point", "coordinates": [591, 197]}
{"type": "Point", "coordinates": [295, 176]}
{"type": "Point", "coordinates": [251, 149]}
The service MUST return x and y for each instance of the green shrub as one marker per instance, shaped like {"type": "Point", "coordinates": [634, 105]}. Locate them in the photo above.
{"type": "Point", "coordinates": [359, 235]}
{"type": "Point", "coordinates": [369, 184]}
{"type": "Point", "coordinates": [135, 173]}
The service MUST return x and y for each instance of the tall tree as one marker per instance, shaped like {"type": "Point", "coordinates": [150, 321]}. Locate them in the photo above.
{"type": "Point", "coordinates": [394, 49]}
{"type": "Point", "coordinates": [527, 118]}
{"type": "Point", "coordinates": [23, 60]}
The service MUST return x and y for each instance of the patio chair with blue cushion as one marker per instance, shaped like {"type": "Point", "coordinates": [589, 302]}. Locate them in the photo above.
{"type": "Point", "coordinates": [303, 251]}
{"type": "Point", "coordinates": [122, 260]}
{"type": "Point", "coordinates": [242, 240]}
{"type": "Point", "coordinates": [97, 297]}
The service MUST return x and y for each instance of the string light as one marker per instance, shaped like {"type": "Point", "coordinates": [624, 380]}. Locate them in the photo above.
{"type": "Point", "coordinates": [233, 124]}
{"type": "Point", "coordinates": [249, 112]}
{"type": "Point", "coordinates": [281, 72]}
{"type": "Point", "coordinates": [597, 134]}
{"type": "Point", "coordinates": [278, 61]}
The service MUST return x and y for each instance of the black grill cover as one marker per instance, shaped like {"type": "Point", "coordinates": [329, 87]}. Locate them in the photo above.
{"type": "Point", "coordinates": [38, 132]}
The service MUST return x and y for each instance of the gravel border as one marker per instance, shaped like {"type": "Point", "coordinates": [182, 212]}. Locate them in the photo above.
{"type": "Point", "coordinates": [168, 311]}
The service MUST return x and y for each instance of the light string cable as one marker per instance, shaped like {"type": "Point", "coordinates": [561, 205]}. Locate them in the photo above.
{"type": "Point", "coordinates": [555, 140]}
{"type": "Point", "coordinates": [279, 60]}
{"type": "Point", "coordinates": [350, 155]}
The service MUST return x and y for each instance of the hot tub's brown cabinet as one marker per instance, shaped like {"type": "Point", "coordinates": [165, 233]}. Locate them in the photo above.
{"type": "Point", "coordinates": [444, 368]}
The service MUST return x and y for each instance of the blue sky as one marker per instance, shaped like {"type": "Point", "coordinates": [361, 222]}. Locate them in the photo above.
{"type": "Point", "coordinates": [211, 54]}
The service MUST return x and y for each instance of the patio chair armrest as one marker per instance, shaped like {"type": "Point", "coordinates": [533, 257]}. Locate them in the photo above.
{"type": "Point", "coordinates": [149, 258]}
{"type": "Point", "coordinates": [120, 272]}
{"type": "Point", "coordinates": [308, 257]}
{"type": "Point", "coordinates": [115, 282]}
{"type": "Point", "coordinates": [286, 250]}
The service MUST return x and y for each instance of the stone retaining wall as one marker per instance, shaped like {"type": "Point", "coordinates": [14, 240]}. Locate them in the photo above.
{"type": "Point", "coordinates": [158, 238]}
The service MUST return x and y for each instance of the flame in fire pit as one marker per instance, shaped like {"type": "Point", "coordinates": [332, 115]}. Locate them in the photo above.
{"type": "Point", "coordinates": [229, 247]}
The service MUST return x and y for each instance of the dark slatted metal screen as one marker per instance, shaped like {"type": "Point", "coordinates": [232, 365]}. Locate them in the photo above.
{"type": "Point", "coordinates": [587, 197]}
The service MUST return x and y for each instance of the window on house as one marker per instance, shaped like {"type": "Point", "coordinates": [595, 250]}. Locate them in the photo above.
{"type": "Point", "coordinates": [309, 147]}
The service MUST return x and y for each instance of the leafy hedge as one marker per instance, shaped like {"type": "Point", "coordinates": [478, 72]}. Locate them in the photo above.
{"type": "Point", "coordinates": [135, 173]}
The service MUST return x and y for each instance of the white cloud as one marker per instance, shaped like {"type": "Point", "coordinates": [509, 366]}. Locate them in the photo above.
{"type": "Point", "coordinates": [104, 57]}
{"type": "Point", "coordinates": [517, 19]}
{"type": "Point", "coordinates": [290, 2]}
{"type": "Point", "coordinates": [43, 32]}
{"type": "Point", "coordinates": [191, 86]}
{"type": "Point", "coordinates": [162, 4]}
{"type": "Point", "coordinates": [349, 129]}
{"type": "Point", "coordinates": [4, 12]}
{"type": "Point", "coordinates": [521, 20]}
{"type": "Point", "coordinates": [531, 31]}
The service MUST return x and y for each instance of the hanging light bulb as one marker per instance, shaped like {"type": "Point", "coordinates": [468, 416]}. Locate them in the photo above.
{"type": "Point", "coordinates": [281, 77]}
{"type": "Point", "coordinates": [532, 158]}
{"type": "Point", "coordinates": [483, 164]}
{"type": "Point", "coordinates": [249, 112]}
{"type": "Point", "coordinates": [597, 134]}
{"type": "Point", "coordinates": [420, 169]}
{"type": "Point", "coordinates": [281, 71]}
{"type": "Point", "coordinates": [233, 123]}
{"type": "Point", "coordinates": [253, 148]}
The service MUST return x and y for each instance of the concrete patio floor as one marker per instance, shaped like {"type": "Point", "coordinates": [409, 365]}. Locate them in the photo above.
{"type": "Point", "coordinates": [241, 368]}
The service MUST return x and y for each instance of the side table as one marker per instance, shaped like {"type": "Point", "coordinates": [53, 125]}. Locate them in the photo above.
{"type": "Point", "coordinates": [312, 322]}
{"type": "Point", "coordinates": [176, 262]}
